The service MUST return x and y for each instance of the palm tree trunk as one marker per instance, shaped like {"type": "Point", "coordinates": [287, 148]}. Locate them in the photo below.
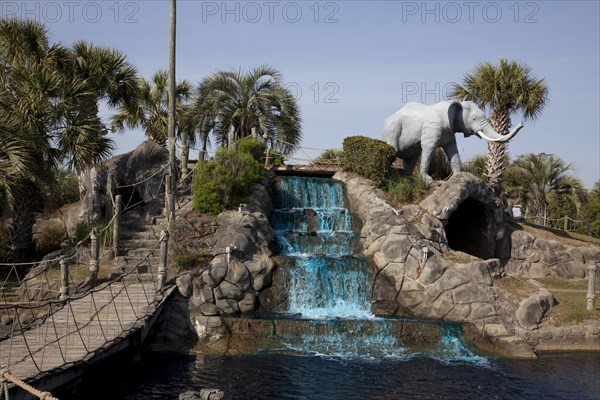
{"type": "Point", "coordinates": [500, 121]}
{"type": "Point", "coordinates": [25, 205]}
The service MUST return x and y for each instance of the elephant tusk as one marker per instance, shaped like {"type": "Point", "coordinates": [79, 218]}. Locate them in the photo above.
{"type": "Point", "coordinates": [500, 138]}
{"type": "Point", "coordinates": [489, 139]}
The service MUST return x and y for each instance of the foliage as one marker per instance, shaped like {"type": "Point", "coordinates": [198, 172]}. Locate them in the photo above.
{"type": "Point", "coordinates": [62, 190]}
{"type": "Point", "coordinates": [106, 231]}
{"type": "Point", "coordinates": [592, 210]}
{"type": "Point", "coordinates": [276, 158]}
{"type": "Point", "coordinates": [255, 147]}
{"type": "Point", "coordinates": [50, 237]}
{"type": "Point", "coordinates": [368, 157]}
{"type": "Point", "coordinates": [402, 190]}
{"type": "Point", "coordinates": [330, 157]}
{"type": "Point", "coordinates": [506, 88]}
{"type": "Point", "coordinates": [476, 166]}
{"type": "Point", "coordinates": [224, 182]}
{"type": "Point", "coordinates": [187, 260]}
{"type": "Point", "coordinates": [149, 109]}
{"type": "Point", "coordinates": [49, 102]}
{"type": "Point", "coordinates": [533, 179]}
{"type": "Point", "coordinates": [229, 104]}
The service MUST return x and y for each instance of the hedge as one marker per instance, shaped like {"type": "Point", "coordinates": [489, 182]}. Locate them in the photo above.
{"type": "Point", "coordinates": [368, 157]}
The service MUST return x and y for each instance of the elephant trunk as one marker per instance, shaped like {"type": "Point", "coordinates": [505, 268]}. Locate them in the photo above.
{"type": "Point", "coordinates": [489, 134]}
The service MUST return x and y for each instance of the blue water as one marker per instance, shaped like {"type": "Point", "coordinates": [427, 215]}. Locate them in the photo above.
{"type": "Point", "coordinates": [573, 376]}
{"type": "Point", "coordinates": [347, 353]}
{"type": "Point", "coordinates": [314, 231]}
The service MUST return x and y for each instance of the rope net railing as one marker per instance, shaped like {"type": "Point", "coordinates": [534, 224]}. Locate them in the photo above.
{"type": "Point", "coordinates": [54, 313]}
{"type": "Point", "coordinates": [566, 223]}
{"type": "Point", "coordinates": [45, 335]}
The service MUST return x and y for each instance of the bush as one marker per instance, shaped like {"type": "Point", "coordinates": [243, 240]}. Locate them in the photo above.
{"type": "Point", "coordinates": [106, 232]}
{"type": "Point", "coordinates": [368, 157]}
{"type": "Point", "coordinates": [330, 157]}
{"type": "Point", "coordinates": [402, 190]}
{"type": "Point", "coordinates": [189, 260]}
{"type": "Point", "coordinates": [50, 236]}
{"type": "Point", "coordinates": [225, 182]}
{"type": "Point", "coordinates": [255, 147]}
{"type": "Point", "coordinates": [275, 158]}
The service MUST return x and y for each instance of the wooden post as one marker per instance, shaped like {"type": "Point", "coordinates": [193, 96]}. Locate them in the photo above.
{"type": "Point", "coordinates": [591, 294]}
{"type": "Point", "coordinates": [169, 200]}
{"type": "Point", "coordinates": [64, 279]}
{"type": "Point", "coordinates": [162, 266]}
{"type": "Point", "coordinates": [95, 250]}
{"type": "Point", "coordinates": [185, 155]}
{"type": "Point", "coordinates": [117, 225]}
{"type": "Point", "coordinates": [111, 189]}
{"type": "Point", "coordinates": [566, 224]}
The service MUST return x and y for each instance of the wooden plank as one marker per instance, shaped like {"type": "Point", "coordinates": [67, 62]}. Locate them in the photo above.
{"type": "Point", "coordinates": [80, 329]}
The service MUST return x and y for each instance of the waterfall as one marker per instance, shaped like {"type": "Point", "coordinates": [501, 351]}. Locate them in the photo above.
{"type": "Point", "coordinates": [327, 306]}
{"type": "Point", "coordinates": [314, 231]}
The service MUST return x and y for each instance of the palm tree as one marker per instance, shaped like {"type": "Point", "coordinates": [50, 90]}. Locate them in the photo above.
{"type": "Point", "coordinates": [48, 116]}
{"type": "Point", "coordinates": [149, 109]}
{"type": "Point", "coordinates": [231, 104]}
{"type": "Point", "coordinates": [535, 179]}
{"type": "Point", "coordinates": [505, 88]}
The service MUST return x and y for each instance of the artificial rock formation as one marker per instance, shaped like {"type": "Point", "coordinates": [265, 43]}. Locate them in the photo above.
{"type": "Point", "coordinates": [439, 260]}
{"type": "Point", "coordinates": [243, 265]}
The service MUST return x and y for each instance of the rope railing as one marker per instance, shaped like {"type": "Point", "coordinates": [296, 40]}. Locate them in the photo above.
{"type": "Point", "coordinates": [76, 328]}
{"type": "Point", "coordinates": [566, 223]}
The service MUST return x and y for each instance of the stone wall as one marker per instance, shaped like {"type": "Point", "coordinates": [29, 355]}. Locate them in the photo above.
{"type": "Point", "coordinates": [233, 281]}
{"type": "Point", "coordinates": [418, 274]}
{"type": "Point", "coordinates": [533, 257]}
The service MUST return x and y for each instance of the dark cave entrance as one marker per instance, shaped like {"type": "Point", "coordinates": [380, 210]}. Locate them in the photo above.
{"type": "Point", "coordinates": [468, 229]}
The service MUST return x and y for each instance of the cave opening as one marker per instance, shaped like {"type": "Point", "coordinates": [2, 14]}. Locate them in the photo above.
{"type": "Point", "coordinates": [468, 229]}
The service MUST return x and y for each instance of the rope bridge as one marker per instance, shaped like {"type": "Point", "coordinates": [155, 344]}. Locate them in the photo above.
{"type": "Point", "coordinates": [61, 314]}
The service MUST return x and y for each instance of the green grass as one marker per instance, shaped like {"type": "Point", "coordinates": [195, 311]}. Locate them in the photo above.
{"type": "Point", "coordinates": [572, 308]}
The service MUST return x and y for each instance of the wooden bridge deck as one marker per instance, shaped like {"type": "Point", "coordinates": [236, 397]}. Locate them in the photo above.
{"type": "Point", "coordinates": [81, 329]}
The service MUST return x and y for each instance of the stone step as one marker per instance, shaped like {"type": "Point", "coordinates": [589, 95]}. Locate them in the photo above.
{"type": "Point", "coordinates": [132, 244]}
{"type": "Point", "coordinates": [142, 253]}
{"type": "Point", "coordinates": [141, 233]}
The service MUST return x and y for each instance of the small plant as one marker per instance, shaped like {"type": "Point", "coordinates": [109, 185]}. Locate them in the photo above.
{"type": "Point", "coordinates": [255, 147]}
{"type": "Point", "coordinates": [189, 260]}
{"type": "Point", "coordinates": [369, 157]}
{"type": "Point", "coordinates": [225, 182]}
{"type": "Point", "coordinates": [50, 237]}
{"type": "Point", "coordinates": [330, 157]}
{"type": "Point", "coordinates": [402, 190]}
{"type": "Point", "coordinates": [106, 231]}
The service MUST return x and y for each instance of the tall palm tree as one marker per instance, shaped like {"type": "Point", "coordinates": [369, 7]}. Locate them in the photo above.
{"type": "Point", "coordinates": [149, 109]}
{"type": "Point", "coordinates": [505, 89]}
{"type": "Point", "coordinates": [533, 179]}
{"type": "Point", "coordinates": [48, 116]}
{"type": "Point", "coordinates": [230, 104]}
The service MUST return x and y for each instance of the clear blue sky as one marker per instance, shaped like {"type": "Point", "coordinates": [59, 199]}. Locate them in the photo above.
{"type": "Point", "coordinates": [353, 63]}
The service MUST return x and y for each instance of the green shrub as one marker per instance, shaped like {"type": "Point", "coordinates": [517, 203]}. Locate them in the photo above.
{"type": "Point", "coordinates": [330, 157]}
{"type": "Point", "coordinates": [106, 231]}
{"type": "Point", "coordinates": [275, 158]}
{"type": "Point", "coordinates": [189, 260]}
{"type": "Point", "coordinates": [225, 182]}
{"type": "Point", "coordinates": [50, 237]}
{"type": "Point", "coordinates": [402, 190]}
{"type": "Point", "coordinates": [368, 157]}
{"type": "Point", "coordinates": [255, 147]}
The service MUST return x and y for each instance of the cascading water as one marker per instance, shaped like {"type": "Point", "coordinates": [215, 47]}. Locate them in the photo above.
{"type": "Point", "coordinates": [314, 231]}
{"type": "Point", "coordinates": [328, 287]}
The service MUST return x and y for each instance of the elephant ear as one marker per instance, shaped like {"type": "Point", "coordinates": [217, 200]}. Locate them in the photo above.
{"type": "Point", "coordinates": [455, 116]}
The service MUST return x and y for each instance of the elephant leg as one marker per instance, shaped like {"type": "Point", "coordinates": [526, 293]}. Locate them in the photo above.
{"type": "Point", "coordinates": [426, 155]}
{"type": "Point", "coordinates": [451, 150]}
{"type": "Point", "coordinates": [409, 165]}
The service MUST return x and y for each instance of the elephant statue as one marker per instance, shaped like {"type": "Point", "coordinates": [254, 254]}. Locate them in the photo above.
{"type": "Point", "coordinates": [418, 129]}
